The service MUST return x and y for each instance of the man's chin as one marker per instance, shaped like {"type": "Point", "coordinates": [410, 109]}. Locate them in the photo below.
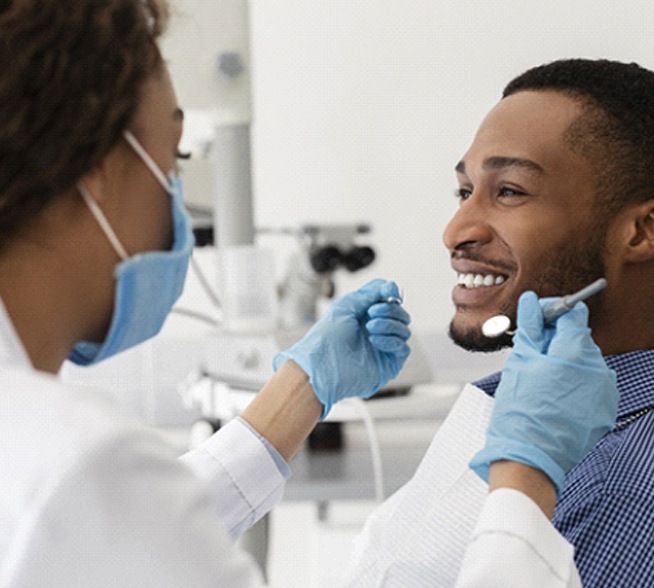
{"type": "Point", "coordinates": [472, 339]}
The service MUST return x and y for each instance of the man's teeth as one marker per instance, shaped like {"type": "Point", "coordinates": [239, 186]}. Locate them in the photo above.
{"type": "Point", "coordinates": [479, 280]}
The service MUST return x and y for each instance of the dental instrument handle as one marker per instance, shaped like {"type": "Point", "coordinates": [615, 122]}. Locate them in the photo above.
{"type": "Point", "coordinates": [500, 324]}
{"type": "Point", "coordinates": [555, 309]}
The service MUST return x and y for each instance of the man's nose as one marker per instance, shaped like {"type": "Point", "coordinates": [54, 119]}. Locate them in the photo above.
{"type": "Point", "coordinates": [468, 228]}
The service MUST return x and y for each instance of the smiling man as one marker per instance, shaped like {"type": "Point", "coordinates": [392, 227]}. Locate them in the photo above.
{"type": "Point", "coordinates": [556, 190]}
{"type": "Point", "coordinates": [528, 214]}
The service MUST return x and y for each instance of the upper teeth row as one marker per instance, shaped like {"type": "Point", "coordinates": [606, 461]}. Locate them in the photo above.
{"type": "Point", "coordinates": [478, 280]}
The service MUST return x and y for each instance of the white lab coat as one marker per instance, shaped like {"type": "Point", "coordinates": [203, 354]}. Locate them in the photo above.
{"type": "Point", "coordinates": [514, 545]}
{"type": "Point", "coordinates": [91, 498]}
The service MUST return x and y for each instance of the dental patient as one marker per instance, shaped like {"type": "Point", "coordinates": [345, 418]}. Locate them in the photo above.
{"type": "Point", "coordinates": [555, 192]}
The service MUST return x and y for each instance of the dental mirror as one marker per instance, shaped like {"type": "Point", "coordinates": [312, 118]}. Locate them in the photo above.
{"type": "Point", "coordinates": [496, 326]}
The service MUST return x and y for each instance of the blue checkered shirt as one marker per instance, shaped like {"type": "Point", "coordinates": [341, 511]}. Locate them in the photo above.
{"type": "Point", "coordinates": [606, 509]}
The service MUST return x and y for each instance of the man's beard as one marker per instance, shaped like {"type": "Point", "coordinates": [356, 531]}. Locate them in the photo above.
{"type": "Point", "coordinates": [472, 339]}
{"type": "Point", "coordinates": [572, 268]}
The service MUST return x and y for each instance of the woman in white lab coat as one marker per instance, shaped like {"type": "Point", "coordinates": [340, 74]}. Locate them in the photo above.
{"type": "Point", "coordinates": [94, 247]}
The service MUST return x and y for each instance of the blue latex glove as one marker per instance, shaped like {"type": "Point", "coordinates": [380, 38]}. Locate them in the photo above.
{"type": "Point", "coordinates": [356, 347]}
{"type": "Point", "coordinates": [556, 398]}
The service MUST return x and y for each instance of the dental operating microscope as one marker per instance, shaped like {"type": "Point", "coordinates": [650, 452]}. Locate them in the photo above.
{"type": "Point", "coordinates": [323, 249]}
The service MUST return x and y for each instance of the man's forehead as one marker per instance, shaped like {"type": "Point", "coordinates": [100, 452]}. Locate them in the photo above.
{"type": "Point", "coordinates": [524, 131]}
{"type": "Point", "coordinates": [526, 112]}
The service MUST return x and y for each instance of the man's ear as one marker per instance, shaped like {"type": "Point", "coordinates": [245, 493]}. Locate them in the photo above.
{"type": "Point", "coordinates": [639, 233]}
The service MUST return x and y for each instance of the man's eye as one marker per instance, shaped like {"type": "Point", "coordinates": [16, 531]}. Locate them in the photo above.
{"type": "Point", "coordinates": [510, 192]}
{"type": "Point", "coordinates": [183, 154]}
{"type": "Point", "coordinates": [463, 193]}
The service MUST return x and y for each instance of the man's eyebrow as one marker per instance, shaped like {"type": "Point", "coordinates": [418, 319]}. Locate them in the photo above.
{"type": "Point", "coordinates": [499, 162]}
{"type": "Point", "coordinates": [178, 114]}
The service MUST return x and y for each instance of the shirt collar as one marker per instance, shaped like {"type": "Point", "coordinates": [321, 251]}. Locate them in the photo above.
{"type": "Point", "coordinates": [635, 372]}
{"type": "Point", "coordinates": [12, 351]}
{"type": "Point", "coordinates": [635, 380]}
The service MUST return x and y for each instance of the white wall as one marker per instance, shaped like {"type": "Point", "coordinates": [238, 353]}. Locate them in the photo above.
{"type": "Point", "coordinates": [362, 107]}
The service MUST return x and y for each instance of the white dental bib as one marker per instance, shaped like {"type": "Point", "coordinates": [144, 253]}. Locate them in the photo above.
{"type": "Point", "coordinates": [419, 535]}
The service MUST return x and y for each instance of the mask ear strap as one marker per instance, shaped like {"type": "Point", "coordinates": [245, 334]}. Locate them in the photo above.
{"type": "Point", "coordinates": [147, 159]}
{"type": "Point", "coordinates": [102, 221]}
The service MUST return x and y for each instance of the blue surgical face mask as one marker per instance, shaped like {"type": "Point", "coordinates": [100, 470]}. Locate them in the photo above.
{"type": "Point", "coordinates": [147, 284]}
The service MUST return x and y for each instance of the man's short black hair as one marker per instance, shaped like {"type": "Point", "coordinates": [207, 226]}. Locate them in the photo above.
{"type": "Point", "coordinates": [616, 129]}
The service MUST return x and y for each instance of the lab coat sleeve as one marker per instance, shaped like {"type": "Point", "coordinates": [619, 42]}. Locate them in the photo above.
{"type": "Point", "coordinates": [241, 473]}
{"type": "Point", "coordinates": [125, 512]}
{"type": "Point", "coordinates": [515, 545]}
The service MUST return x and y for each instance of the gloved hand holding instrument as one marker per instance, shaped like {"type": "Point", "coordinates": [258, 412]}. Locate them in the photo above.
{"type": "Point", "coordinates": [556, 398]}
{"type": "Point", "coordinates": [358, 346]}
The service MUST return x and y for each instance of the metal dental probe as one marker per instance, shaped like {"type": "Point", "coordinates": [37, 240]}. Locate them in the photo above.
{"type": "Point", "coordinates": [499, 324]}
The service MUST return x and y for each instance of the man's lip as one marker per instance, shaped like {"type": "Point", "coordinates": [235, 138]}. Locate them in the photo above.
{"type": "Point", "coordinates": [476, 297]}
{"type": "Point", "coordinates": [462, 266]}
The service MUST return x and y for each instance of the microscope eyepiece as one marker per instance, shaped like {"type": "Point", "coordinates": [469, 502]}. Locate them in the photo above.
{"type": "Point", "coordinates": [325, 259]}
{"type": "Point", "coordinates": [358, 257]}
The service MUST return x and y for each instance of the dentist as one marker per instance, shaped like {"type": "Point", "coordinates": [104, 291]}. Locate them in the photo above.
{"type": "Point", "coordinates": [94, 249]}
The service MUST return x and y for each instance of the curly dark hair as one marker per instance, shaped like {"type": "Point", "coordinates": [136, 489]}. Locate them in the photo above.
{"type": "Point", "coordinates": [616, 128]}
{"type": "Point", "coordinates": [71, 73]}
